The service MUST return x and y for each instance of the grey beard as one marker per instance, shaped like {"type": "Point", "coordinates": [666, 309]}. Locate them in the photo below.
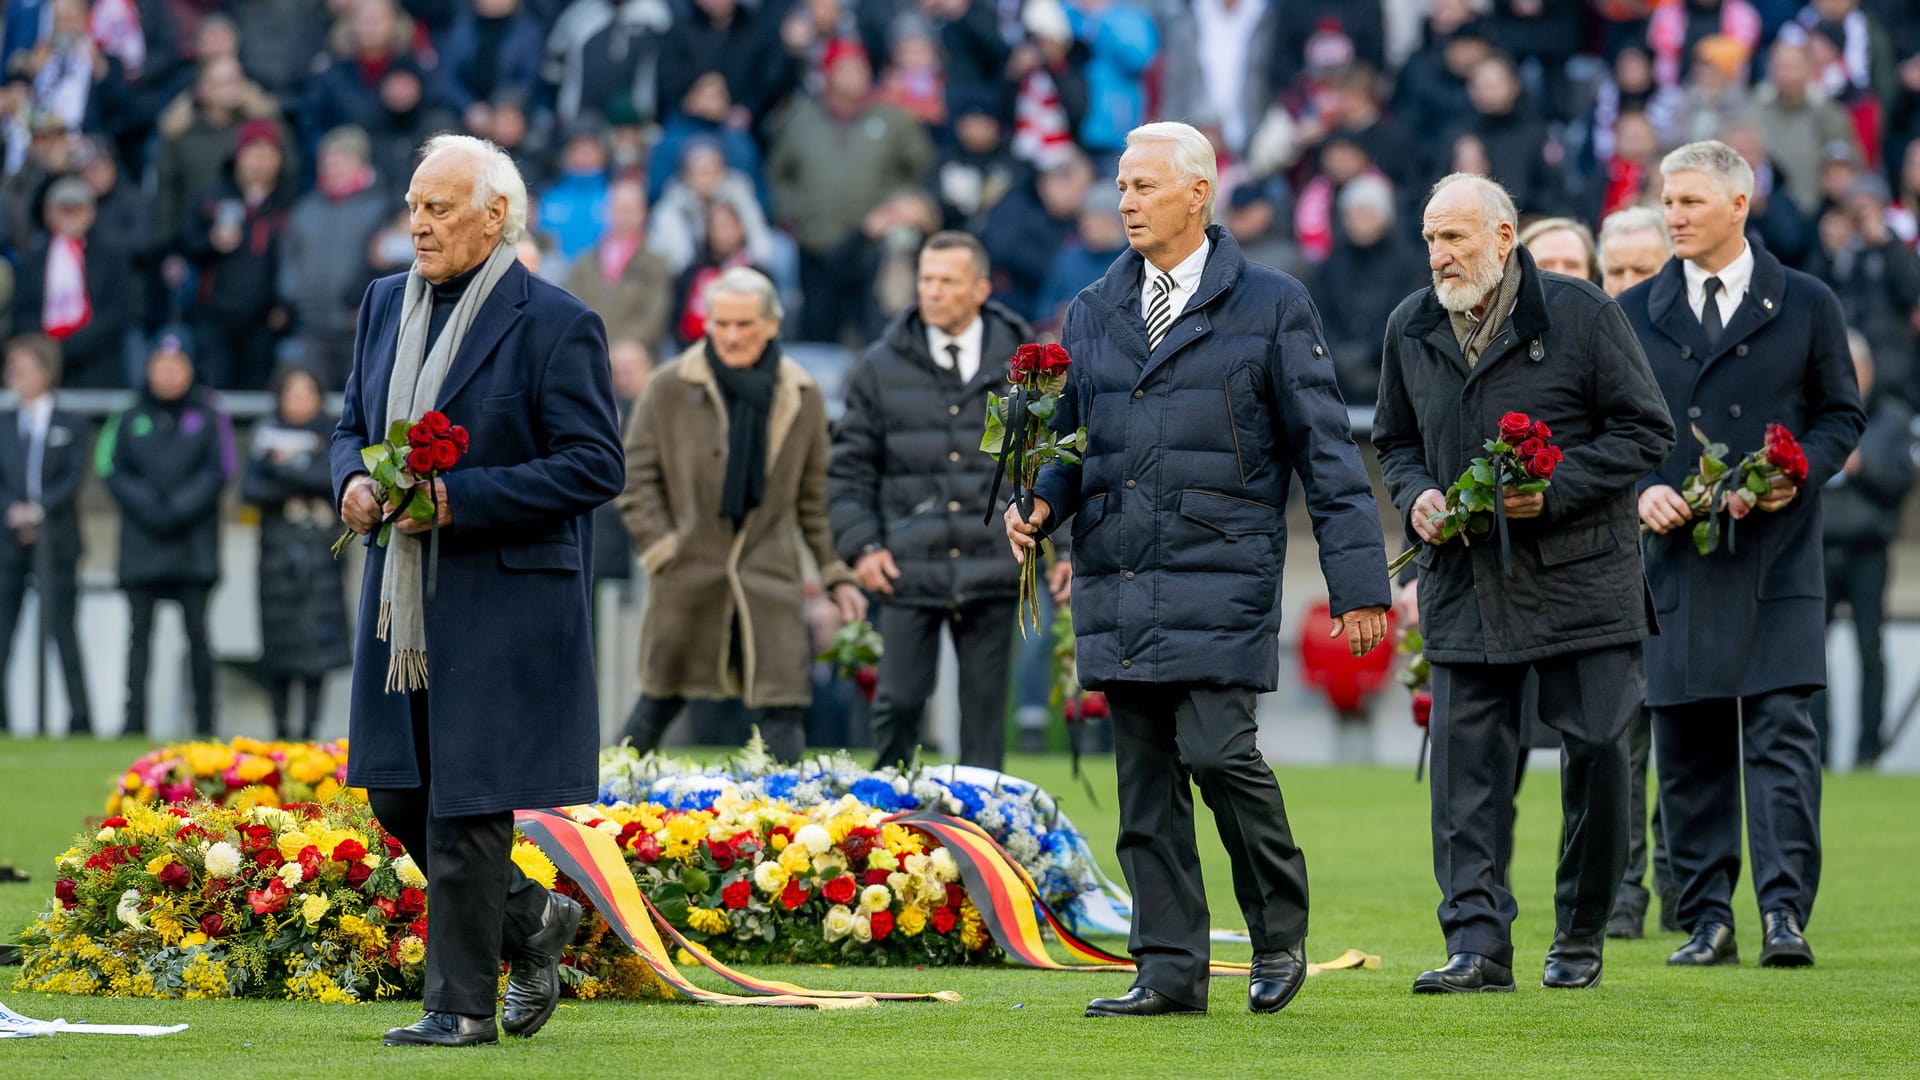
{"type": "Point", "coordinates": [1462, 296]}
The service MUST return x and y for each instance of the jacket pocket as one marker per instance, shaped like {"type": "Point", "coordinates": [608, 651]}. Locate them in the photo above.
{"type": "Point", "coordinates": [1583, 588]}
{"type": "Point", "coordinates": [1791, 564]}
{"type": "Point", "coordinates": [1228, 516]}
{"type": "Point", "coordinates": [502, 403]}
{"type": "Point", "coordinates": [550, 555]}
{"type": "Point", "coordinates": [1093, 510]}
{"type": "Point", "coordinates": [1574, 545]}
{"type": "Point", "coordinates": [1242, 393]}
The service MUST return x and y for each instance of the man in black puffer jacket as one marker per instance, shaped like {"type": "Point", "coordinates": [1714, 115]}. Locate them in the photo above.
{"type": "Point", "coordinates": [907, 492]}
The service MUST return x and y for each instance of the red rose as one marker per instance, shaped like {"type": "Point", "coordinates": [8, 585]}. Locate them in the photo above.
{"type": "Point", "coordinates": [436, 422]}
{"type": "Point", "coordinates": [882, 923]}
{"type": "Point", "coordinates": [1053, 360]}
{"type": "Point", "coordinates": [459, 437]}
{"type": "Point", "coordinates": [385, 908]}
{"type": "Point", "coordinates": [867, 679]}
{"type": "Point", "coordinates": [1093, 706]}
{"type": "Point", "coordinates": [1422, 707]}
{"type": "Point", "coordinates": [212, 925]}
{"type": "Point", "coordinates": [418, 435]}
{"type": "Point", "coordinates": [65, 888]}
{"type": "Point", "coordinates": [793, 895]}
{"type": "Point", "coordinates": [255, 837]}
{"type": "Point", "coordinates": [745, 844]}
{"type": "Point", "coordinates": [1515, 426]}
{"type": "Point", "coordinates": [1025, 361]}
{"type": "Point", "coordinates": [357, 874]}
{"type": "Point", "coordinates": [721, 852]}
{"type": "Point", "coordinates": [268, 859]}
{"type": "Point", "coordinates": [309, 859]}
{"type": "Point", "coordinates": [1541, 466]}
{"type": "Point", "coordinates": [445, 454]}
{"type": "Point", "coordinates": [271, 899]}
{"type": "Point", "coordinates": [955, 894]}
{"type": "Point", "coordinates": [175, 875]}
{"type": "Point", "coordinates": [349, 851]}
{"type": "Point", "coordinates": [420, 461]}
{"type": "Point", "coordinates": [114, 822]}
{"type": "Point", "coordinates": [943, 920]}
{"type": "Point", "coordinates": [412, 902]}
{"type": "Point", "coordinates": [840, 890]}
{"type": "Point", "coordinates": [1541, 430]}
{"type": "Point", "coordinates": [875, 877]}
{"type": "Point", "coordinates": [647, 848]}
{"type": "Point", "coordinates": [1529, 447]}
{"type": "Point", "coordinates": [394, 847]}
{"type": "Point", "coordinates": [736, 895]}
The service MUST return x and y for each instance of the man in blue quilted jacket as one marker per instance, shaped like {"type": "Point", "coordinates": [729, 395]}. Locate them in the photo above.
{"type": "Point", "coordinates": [1204, 383]}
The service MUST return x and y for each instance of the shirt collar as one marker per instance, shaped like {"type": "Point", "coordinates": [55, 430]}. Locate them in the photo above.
{"type": "Point", "coordinates": [1186, 276]}
{"type": "Point", "coordinates": [34, 415]}
{"type": "Point", "coordinates": [968, 339]}
{"type": "Point", "coordinates": [1733, 279]}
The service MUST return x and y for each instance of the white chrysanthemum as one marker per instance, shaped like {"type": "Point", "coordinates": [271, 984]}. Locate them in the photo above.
{"type": "Point", "coordinates": [875, 898]}
{"type": "Point", "coordinates": [128, 910]}
{"type": "Point", "coordinates": [222, 860]}
{"type": "Point", "coordinates": [409, 872]}
{"type": "Point", "coordinates": [291, 874]}
{"type": "Point", "coordinates": [862, 929]}
{"type": "Point", "coordinates": [838, 923]}
{"type": "Point", "coordinates": [817, 840]}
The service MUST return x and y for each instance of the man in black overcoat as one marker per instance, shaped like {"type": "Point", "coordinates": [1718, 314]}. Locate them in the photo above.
{"type": "Point", "coordinates": [1563, 596]}
{"type": "Point", "coordinates": [1739, 342]}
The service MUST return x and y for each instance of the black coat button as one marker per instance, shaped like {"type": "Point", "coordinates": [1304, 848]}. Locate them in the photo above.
{"type": "Point", "coordinates": [1733, 411]}
{"type": "Point", "coordinates": [1126, 663]}
{"type": "Point", "coordinates": [1693, 412]}
{"type": "Point", "coordinates": [1129, 483]}
{"type": "Point", "coordinates": [1138, 394]}
{"type": "Point", "coordinates": [1686, 352]}
{"type": "Point", "coordinates": [1740, 350]}
{"type": "Point", "coordinates": [1129, 575]}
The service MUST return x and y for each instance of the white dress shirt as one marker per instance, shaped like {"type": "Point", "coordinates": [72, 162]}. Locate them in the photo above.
{"type": "Point", "coordinates": [1733, 285]}
{"type": "Point", "coordinates": [1186, 281]}
{"type": "Point", "coordinates": [35, 419]}
{"type": "Point", "coordinates": [970, 341]}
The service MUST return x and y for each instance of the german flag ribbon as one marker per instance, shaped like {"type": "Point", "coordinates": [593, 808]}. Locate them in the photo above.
{"type": "Point", "coordinates": [592, 860]}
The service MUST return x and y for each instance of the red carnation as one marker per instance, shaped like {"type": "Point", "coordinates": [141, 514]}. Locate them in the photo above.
{"type": "Point", "coordinates": [1053, 360]}
{"type": "Point", "coordinates": [840, 890]}
{"type": "Point", "coordinates": [357, 874]}
{"type": "Point", "coordinates": [175, 875]}
{"type": "Point", "coordinates": [1025, 361]}
{"type": "Point", "coordinates": [1515, 426]}
{"type": "Point", "coordinates": [412, 902]}
{"type": "Point", "coordinates": [459, 437]}
{"type": "Point", "coordinates": [882, 923]}
{"type": "Point", "coordinates": [420, 461]}
{"type": "Point", "coordinates": [1422, 707]}
{"type": "Point", "coordinates": [955, 894]}
{"type": "Point", "coordinates": [793, 895]}
{"type": "Point", "coordinates": [721, 852]}
{"type": "Point", "coordinates": [1541, 430]}
{"type": "Point", "coordinates": [445, 454]}
{"type": "Point", "coordinates": [736, 895]}
{"type": "Point", "coordinates": [943, 920]}
{"type": "Point", "coordinates": [212, 925]}
{"type": "Point", "coordinates": [65, 889]}
{"type": "Point", "coordinates": [875, 877]}
{"type": "Point", "coordinates": [418, 435]}
{"type": "Point", "coordinates": [349, 851]}
{"type": "Point", "coordinates": [1541, 465]}
{"type": "Point", "coordinates": [114, 822]}
{"type": "Point", "coordinates": [436, 421]}
{"type": "Point", "coordinates": [647, 848]}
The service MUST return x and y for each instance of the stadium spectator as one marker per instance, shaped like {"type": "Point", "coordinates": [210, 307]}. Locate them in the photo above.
{"type": "Point", "coordinates": [234, 238]}
{"type": "Point", "coordinates": [1375, 265]}
{"type": "Point", "coordinates": [680, 215]}
{"type": "Point", "coordinates": [1024, 230]}
{"type": "Point", "coordinates": [322, 269]}
{"type": "Point", "coordinates": [1562, 246]}
{"type": "Point", "coordinates": [1799, 121]}
{"type": "Point", "coordinates": [493, 45]}
{"type": "Point", "coordinates": [72, 286]}
{"type": "Point", "coordinates": [629, 286]}
{"type": "Point", "coordinates": [977, 169]}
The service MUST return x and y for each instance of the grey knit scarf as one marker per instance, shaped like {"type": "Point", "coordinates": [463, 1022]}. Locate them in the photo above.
{"type": "Point", "coordinates": [414, 389]}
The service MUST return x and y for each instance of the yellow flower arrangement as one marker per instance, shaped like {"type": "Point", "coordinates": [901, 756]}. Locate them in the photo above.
{"type": "Point", "coordinates": [534, 863]}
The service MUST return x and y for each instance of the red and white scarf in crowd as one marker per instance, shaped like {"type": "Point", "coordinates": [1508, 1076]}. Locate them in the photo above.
{"type": "Point", "coordinates": [1667, 33]}
{"type": "Point", "coordinates": [1040, 131]}
{"type": "Point", "coordinates": [616, 251]}
{"type": "Point", "coordinates": [67, 308]}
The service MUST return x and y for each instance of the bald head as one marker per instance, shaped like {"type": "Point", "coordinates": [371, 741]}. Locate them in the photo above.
{"type": "Point", "coordinates": [1469, 227]}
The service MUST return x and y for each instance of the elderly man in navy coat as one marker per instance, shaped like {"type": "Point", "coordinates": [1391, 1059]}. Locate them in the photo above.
{"type": "Point", "coordinates": [479, 699]}
{"type": "Point", "coordinates": [1204, 384]}
{"type": "Point", "coordinates": [1739, 342]}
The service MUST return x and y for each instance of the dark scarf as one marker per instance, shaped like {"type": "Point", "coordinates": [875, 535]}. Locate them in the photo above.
{"type": "Point", "coordinates": [445, 295]}
{"type": "Point", "coordinates": [748, 394]}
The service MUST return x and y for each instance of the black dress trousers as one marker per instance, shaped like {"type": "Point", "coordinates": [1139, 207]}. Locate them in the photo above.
{"type": "Point", "coordinates": [480, 907]}
{"type": "Point", "coordinates": [983, 643]}
{"type": "Point", "coordinates": [1166, 738]}
{"type": "Point", "coordinates": [1589, 698]}
{"type": "Point", "coordinates": [1704, 751]}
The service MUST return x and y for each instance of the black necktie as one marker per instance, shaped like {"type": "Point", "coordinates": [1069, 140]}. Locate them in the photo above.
{"type": "Point", "coordinates": [1710, 312]}
{"type": "Point", "coordinates": [953, 360]}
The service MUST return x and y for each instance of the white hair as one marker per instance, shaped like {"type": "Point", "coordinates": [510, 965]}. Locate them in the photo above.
{"type": "Point", "coordinates": [497, 177]}
{"type": "Point", "coordinates": [1193, 157]}
{"type": "Point", "coordinates": [746, 281]}
{"type": "Point", "coordinates": [1719, 162]}
{"type": "Point", "coordinates": [1370, 191]}
{"type": "Point", "coordinates": [1632, 221]}
{"type": "Point", "coordinates": [1495, 203]}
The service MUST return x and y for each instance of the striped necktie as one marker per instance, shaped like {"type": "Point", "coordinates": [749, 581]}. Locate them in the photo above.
{"type": "Point", "coordinates": [1160, 311]}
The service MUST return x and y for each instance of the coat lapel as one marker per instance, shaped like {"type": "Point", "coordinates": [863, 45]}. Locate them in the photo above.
{"type": "Point", "coordinates": [794, 381]}
{"type": "Point", "coordinates": [1667, 307]}
{"type": "Point", "coordinates": [1762, 302]}
{"type": "Point", "coordinates": [497, 315]}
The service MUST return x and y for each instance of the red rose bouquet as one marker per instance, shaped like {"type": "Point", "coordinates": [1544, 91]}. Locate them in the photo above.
{"type": "Point", "coordinates": [1713, 482]}
{"type": "Point", "coordinates": [1019, 431]}
{"type": "Point", "coordinates": [1519, 458]}
{"type": "Point", "coordinates": [405, 465]}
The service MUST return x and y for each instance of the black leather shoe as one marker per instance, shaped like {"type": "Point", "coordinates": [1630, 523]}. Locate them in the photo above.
{"type": "Point", "coordinates": [1141, 1001]}
{"type": "Point", "coordinates": [533, 979]}
{"type": "Point", "coordinates": [1573, 963]}
{"type": "Point", "coordinates": [445, 1029]}
{"type": "Point", "coordinates": [1465, 973]}
{"type": "Point", "coordinates": [1712, 943]}
{"type": "Point", "coordinates": [1276, 977]}
{"type": "Point", "coordinates": [1781, 944]}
